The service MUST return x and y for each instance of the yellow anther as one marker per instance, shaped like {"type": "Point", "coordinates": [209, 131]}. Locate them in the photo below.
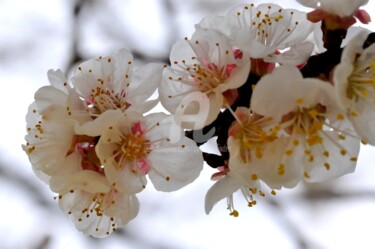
{"type": "Point", "coordinates": [327, 166]}
{"type": "Point", "coordinates": [342, 137]}
{"type": "Point", "coordinates": [289, 152]}
{"type": "Point", "coordinates": [340, 116]}
{"type": "Point", "coordinates": [299, 101]}
{"type": "Point", "coordinates": [364, 92]}
{"type": "Point", "coordinates": [281, 169]}
{"type": "Point", "coordinates": [234, 213]}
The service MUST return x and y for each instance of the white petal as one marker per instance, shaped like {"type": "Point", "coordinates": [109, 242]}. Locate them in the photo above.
{"type": "Point", "coordinates": [57, 80]}
{"type": "Point", "coordinates": [280, 165]}
{"type": "Point", "coordinates": [223, 188]}
{"type": "Point", "coordinates": [61, 179]}
{"type": "Point", "coordinates": [48, 96]}
{"type": "Point", "coordinates": [126, 209]}
{"type": "Point", "coordinates": [159, 126]}
{"type": "Point", "coordinates": [290, 28]}
{"type": "Point", "coordinates": [212, 47]}
{"type": "Point", "coordinates": [342, 157]}
{"type": "Point", "coordinates": [124, 179]}
{"type": "Point", "coordinates": [364, 121]}
{"type": "Point", "coordinates": [100, 124]}
{"type": "Point", "coordinates": [238, 76]}
{"type": "Point", "coordinates": [309, 3]}
{"type": "Point", "coordinates": [145, 81]}
{"type": "Point", "coordinates": [90, 181]}
{"type": "Point", "coordinates": [342, 8]}
{"type": "Point", "coordinates": [171, 91]}
{"type": "Point", "coordinates": [297, 54]}
{"type": "Point", "coordinates": [215, 22]}
{"type": "Point", "coordinates": [123, 69]}
{"type": "Point", "coordinates": [271, 96]}
{"type": "Point", "coordinates": [181, 49]}
{"type": "Point", "coordinates": [277, 94]}
{"type": "Point", "coordinates": [340, 76]}
{"type": "Point", "coordinates": [88, 74]}
{"type": "Point", "coordinates": [175, 166]}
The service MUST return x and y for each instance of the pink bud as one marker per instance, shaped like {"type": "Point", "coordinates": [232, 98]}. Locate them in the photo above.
{"type": "Point", "coordinates": [363, 16]}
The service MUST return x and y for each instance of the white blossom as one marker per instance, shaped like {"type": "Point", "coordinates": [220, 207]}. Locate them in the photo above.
{"type": "Point", "coordinates": [135, 146]}
{"type": "Point", "coordinates": [256, 156]}
{"type": "Point", "coordinates": [262, 30]}
{"type": "Point", "coordinates": [110, 83]}
{"type": "Point", "coordinates": [50, 130]}
{"type": "Point", "coordinates": [308, 115]}
{"type": "Point", "coordinates": [204, 70]}
{"type": "Point", "coordinates": [94, 206]}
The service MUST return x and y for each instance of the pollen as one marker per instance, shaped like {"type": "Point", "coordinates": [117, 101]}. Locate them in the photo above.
{"type": "Point", "coordinates": [340, 117]}
{"type": "Point", "coordinates": [31, 149]}
{"type": "Point", "coordinates": [289, 152]}
{"type": "Point", "coordinates": [327, 166]}
{"type": "Point", "coordinates": [133, 147]}
{"type": "Point", "coordinates": [342, 137]}
{"type": "Point", "coordinates": [281, 169]}
{"type": "Point", "coordinates": [234, 213]}
{"type": "Point", "coordinates": [299, 101]}
{"type": "Point", "coordinates": [343, 152]}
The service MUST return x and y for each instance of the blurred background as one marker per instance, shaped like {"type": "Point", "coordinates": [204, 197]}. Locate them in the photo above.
{"type": "Point", "coordinates": [42, 34]}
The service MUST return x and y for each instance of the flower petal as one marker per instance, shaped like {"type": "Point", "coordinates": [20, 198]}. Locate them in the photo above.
{"type": "Point", "coordinates": [341, 157]}
{"type": "Point", "coordinates": [175, 166]}
{"type": "Point", "coordinates": [223, 188]}
{"type": "Point", "coordinates": [145, 81]}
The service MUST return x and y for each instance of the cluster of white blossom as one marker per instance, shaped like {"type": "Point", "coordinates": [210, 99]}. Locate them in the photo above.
{"type": "Point", "coordinates": [278, 117]}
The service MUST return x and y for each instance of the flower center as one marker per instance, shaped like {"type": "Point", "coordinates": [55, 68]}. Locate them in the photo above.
{"type": "Point", "coordinates": [210, 76]}
{"type": "Point", "coordinates": [362, 82]}
{"type": "Point", "coordinates": [307, 121]}
{"type": "Point", "coordinates": [102, 100]}
{"type": "Point", "coordinates": [252, 136]}
{"type": "Point", "coordinates": [133, 148]}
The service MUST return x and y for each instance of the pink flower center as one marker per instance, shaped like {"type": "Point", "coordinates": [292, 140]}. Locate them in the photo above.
{"type": "Point", "coordinates": [133, 149]}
